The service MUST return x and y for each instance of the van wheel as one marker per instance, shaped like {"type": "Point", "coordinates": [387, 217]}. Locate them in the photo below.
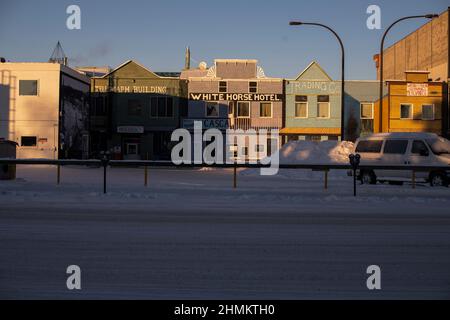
{"type": "Point", "coordinates": [438, 179]}
{"type": "Point", "coordinates": [368, 177]}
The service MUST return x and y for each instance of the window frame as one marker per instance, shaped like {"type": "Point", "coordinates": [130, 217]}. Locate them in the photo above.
{"type": "Point", "coordinates": [206, 109]}
{"type": "Point", "coordinates": [329, 110]}
{"type": "Point", "coordinates": [271, 110]}
{"type": "Point", "coordinates": [307, 110]}
{"type": "Point", "coordinates": [250, 87]}
{"type": "Point", "coordinates": [38, 87]}
{"type": "Point", "coordinates": [361, 111]}
{"type": "Point", "coordinates": [166, 99]}
{"type": "Point", "coordinates": [30, 147]}
{"type": "Point", "coordinates": [219, 86]}
{"type": "Point", "coordinates": [237, 110]}
{"type": "Point", "coordinates": [412, 111]}
{"type": "Point", "coordinates": [434, 111]}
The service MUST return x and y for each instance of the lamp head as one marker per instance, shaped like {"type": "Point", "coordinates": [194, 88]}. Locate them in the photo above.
{"type": "Point", "coordinates": [431, 16]}
{"type": "Point", "coordinates": [295, 23]}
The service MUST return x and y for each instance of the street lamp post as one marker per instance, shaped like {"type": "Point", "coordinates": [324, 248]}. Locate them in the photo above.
{"type": "Point", "coordinates": [428, 16]}
{"type": "Point", "coordinates": [299, 23]}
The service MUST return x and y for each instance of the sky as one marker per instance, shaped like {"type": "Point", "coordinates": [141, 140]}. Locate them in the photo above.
{"type": "Point", "coordinates": [155, 33]}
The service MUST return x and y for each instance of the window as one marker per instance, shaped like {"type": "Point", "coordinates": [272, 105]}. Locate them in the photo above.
{"type": "Point", "coordinates": [253, 87]}
{"type": "Point", "coordinates": [28, 87]}
{"type": "Point", "coordinates": [366, 110]}
{"type": "Point", "coordinates": [132, 148]}
{"type": "Point", "coordinates": [323, 106]}
{"type": "Point", "coordinates": [245, 151]}
{"type": "Point", "coordinates": [419, 148]}
{"type": "Point", "coordinates": [134, 108]}
{"type": "Point", "coordinates": [223, 87]}
{"type": "Point", "coordinates": [212, 109]}
{"type": "Point", "coordinates": [243, 110]}
{"type": "Point", "coordinates": [265, 110]}
{"type": "Point", "coordinates": [406, 111]}
{"type": "Point", "coordinates": [161, 107]}
{"type": "Point", "coordinates": [427, 112]}
{"type": "Point", "coordinates": [259, 148]}
{"type": "Point", "coordinates": [369, 146]}
{"type": "Point", "coordinates": [395, 146]}
{"type": "Point", "coordinates": [28, 141]}
{"type": "Point", "coordinates": [301, 106]}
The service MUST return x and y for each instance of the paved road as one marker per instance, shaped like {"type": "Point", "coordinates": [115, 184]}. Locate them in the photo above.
{"type": "Point", "coordinates": [212, 253]}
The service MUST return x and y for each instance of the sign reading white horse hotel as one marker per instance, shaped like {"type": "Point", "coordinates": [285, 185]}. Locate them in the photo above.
{"type": "Point", "coordinates": [235, 97]}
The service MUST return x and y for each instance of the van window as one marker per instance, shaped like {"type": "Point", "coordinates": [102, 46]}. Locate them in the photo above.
{"type": "Point", "coordinates": [369, 146]}
{"type": "Point", "coordinates": [419, 147]}
{"type": "Point", "coordinates": [395, 146]}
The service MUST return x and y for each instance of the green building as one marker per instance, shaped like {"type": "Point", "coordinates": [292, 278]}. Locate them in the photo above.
{"type": "Point", "coordinates": [134, 112]}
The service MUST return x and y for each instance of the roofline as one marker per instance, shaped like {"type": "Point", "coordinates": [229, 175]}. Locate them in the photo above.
{"type": "Point", "coordinates": [309, 66]}
{"type": "Point", "coordinates": [127, 62]}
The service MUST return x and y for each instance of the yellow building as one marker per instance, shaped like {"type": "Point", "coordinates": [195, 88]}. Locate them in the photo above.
{"type": "Point", "coordinates": [412, 105]}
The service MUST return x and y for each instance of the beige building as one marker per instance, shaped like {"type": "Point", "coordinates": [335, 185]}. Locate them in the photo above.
{"type": "Point", "coordinates": [44, 108]}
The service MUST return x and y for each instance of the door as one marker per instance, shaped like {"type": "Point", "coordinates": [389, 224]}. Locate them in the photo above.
{"type": "Point", "coordinates": [394, 154]}
{"type": "Point", "coordinates": [420, 156]}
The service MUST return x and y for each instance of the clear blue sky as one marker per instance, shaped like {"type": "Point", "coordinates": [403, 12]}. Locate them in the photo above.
{"type": "Point", "coordinates": [156, 32]}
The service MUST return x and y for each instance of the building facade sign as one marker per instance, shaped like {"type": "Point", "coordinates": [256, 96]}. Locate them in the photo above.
{"type": "Point", "coordinates": [325, 86]}
{"type": "Point", "coordinates": [132, 89]}
{"type": "Point", "coordinates": [417, 89]}
{"type": "Point", "coordinates": [221, 124]}
{"type": "Point", "coordinates": [236, 97]}
{"type": "Point", "coordinates": [130, 129]}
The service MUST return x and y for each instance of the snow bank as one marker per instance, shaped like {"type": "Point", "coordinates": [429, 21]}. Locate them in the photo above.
{"type": "Point", "coordinates": [311, 152]}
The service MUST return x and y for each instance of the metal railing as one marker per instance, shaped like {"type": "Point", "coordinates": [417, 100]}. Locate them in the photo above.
{"type": "Point", "coordinates": [146, 164]}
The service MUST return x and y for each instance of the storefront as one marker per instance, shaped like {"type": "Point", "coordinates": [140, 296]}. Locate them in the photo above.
{"type": "Point", "coordinates": [235, 94]}
{"type": "Point", "coordinates": [136, 111]}
{"type": "Point", "coordinates": [313, 106]}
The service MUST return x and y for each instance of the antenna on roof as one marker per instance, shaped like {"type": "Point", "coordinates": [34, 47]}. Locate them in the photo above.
{"type": "Point", "coordinates": [58, 55]}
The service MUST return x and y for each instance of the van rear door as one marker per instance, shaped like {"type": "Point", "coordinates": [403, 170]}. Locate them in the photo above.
{"type": "Point", "coordinates": [394, 154]}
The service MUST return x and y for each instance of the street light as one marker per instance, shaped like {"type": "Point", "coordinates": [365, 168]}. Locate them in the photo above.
{"type": "Point", "coordinates": [299, 23]}
{"type": "Point", "coordinates": [428, 16]}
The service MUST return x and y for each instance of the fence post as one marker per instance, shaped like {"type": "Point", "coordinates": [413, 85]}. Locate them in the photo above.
{"type": "Point", "coordinates": [326, 179]}
{"type": "Point", "coordinates": [145, 176]}
{"type": "Point", "coordinates": [413, 179]}
{"type": "Point", "coordinates": [235, 176]}
{"type": "Point", "coordinates": [58, 174]}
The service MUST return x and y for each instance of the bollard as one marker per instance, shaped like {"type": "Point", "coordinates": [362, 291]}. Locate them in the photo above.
{"type": "Point", "coordinates": [105, 161]}
{"type": "Point", "coordinates": [355, 160]}
{"type": "Point", "coordinates": [58, 174]}
{"type": "Point", "coordinates": [326, 179]}
{"type": "Point", "coordinates": [145, 176]}
{"type": "Point", "coordinates": [235, 176]}
{"type": "Point", "coordinates": [413, 179]}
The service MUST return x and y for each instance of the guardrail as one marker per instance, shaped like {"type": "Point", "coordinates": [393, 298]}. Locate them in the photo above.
{"type": "Point", "coordinates": [146, 164]}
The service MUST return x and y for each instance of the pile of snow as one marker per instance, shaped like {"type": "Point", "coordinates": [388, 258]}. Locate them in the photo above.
{"type": "Point", "coordinates": [310, 152]}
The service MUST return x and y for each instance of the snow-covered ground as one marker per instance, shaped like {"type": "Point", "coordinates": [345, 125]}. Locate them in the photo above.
{"type": "Point", "coordinates": [190, 235]}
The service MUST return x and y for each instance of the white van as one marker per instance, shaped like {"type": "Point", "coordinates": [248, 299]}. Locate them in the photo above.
{"type": "Point", "coordinates": [408, 149]}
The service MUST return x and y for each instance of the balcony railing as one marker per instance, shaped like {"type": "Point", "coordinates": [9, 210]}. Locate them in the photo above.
{"type": "Point", "coordinates": [255, 123]}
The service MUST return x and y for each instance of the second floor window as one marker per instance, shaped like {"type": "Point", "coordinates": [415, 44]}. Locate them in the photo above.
{"type": "Point", "coordinates": [28, 87]}
{"type": "Point", "coordinates": [243, 110]}
{"type": "Point", "coordinates": [366, 111]}
{"type": "Point", "coordinates": [253, 87]}
{"type": "Point", "coordinates": [161, 107]}
{"type": "Point", "coordinates": [134, 108]}
{"type": "Point", "coordinates": [301, 106]}
{"type": "Point", "coordinates": [265, 110]}
{"type": "Point", "coordinates": [323, 106]}
{"type": "Point", "coordinates": [427, 112]}
{"type": "Point", "coordinates": [406, 111]}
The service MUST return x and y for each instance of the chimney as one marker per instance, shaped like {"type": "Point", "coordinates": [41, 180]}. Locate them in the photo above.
{"type": "Point", "coordinates": [187, 59]}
